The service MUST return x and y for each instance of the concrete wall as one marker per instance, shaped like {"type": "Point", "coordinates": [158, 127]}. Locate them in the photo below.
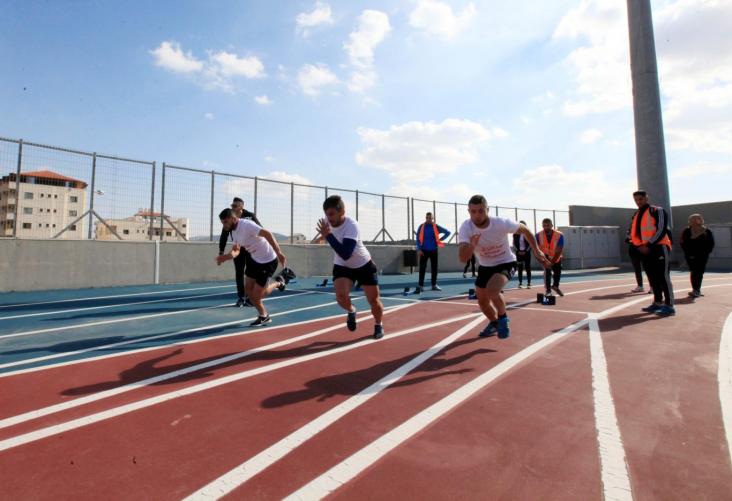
{"type": "Point", "coordinates": [68, 264]}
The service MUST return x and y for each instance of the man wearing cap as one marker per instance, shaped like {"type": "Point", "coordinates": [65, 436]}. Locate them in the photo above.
{"type": "Point", "coordinates": [237, 207]}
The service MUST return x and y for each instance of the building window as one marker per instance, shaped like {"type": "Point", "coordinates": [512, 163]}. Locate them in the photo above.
{"type": "Point", "coordinates": [72, 213]}
{"type": "Point", "coordinates": [55, 196]}
{"type": "Point", "coordinates": [167, 234]}
{"type": "Point", "coordinates": [54, 211]}
{"type": "Point", "coordinates": [27, 226]}
{"type": "Point", "coordinates": [28, 195]}
{"type": "Point", "coordinates": [72, 227]}
{"type": "Point", "coordinates": [125, 232]}
{"type": "Point", "coordinates": [40, 225]}
{"type": "Point", "coordinates": [73, 199]}
{"type": "Point", "coordinates": [54, 225]}
{"type": "Point", "coordinates": [27, 210]}
{"type": "Point", "coordinates": [46, 225]}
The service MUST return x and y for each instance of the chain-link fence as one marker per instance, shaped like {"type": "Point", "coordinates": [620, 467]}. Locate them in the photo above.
{"type": "Point", "coordinates": [53, 192]}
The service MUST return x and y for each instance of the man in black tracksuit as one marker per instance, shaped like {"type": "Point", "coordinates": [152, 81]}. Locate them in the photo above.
{"type": "Point", "coordinates": [651, 235]}
{"type": "Point", "coordinates": [237, 207]}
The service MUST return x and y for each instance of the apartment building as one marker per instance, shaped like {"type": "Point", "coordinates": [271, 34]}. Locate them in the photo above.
{"type": "Point", "coordinates": [137, 227]}
{"type": "Point", "coordinates": [46, 203]}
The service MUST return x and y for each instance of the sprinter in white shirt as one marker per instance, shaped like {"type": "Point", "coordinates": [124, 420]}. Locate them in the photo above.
{"type": "Point", "coordinates": [351, 263]}
{"type": "Point", "coordinates": [487, 238]}
{"type": "Point", "coordinates": [264, 253]}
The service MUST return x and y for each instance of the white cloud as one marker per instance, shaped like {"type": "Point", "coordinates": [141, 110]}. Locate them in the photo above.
{"type": "Point", "coordinates": [458, 192]}
{"type": "Point", "coordinates": [287, 178]}
{"type": "Point", "coordinates": [555, 187]}
{"type": "Point", "coordinates": [217, 73]}
{"type": "Point", "coordinates": [231, 65]}
{"type": "Point", "coordinates": [373, 27]}
{"type": "Point", "coordinates": [269, 159]}
{"type": "Point", "coordinates": [694, 60]}
{"type": "Point", "coordinates": [701, 170]}
{"type": "Point", "coordinates": [170, 56]}
{"type": "Point", "coordinates": [263, 100]}
{"type": "Point", "coordinates": [590, 136]}
{"type": "Point", "coordinates": [602, 67]}
{"type": "Point", "coordinates": [208, 116]}
{"type": "Point", "coordinates": [421, 150]}
{"type": "Point", "coordinates": [437, 18]}
{"type": "Point", "coordinates": [313, 78]}
{"type": "Point", "coordinates": [321, 14]}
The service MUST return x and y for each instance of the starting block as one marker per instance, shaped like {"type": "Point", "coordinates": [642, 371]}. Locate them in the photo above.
{"type": "Point", "coordinates": [546, 300]}
{"type": "Point", "coordinates": [324, 284]}
{"type": "Point", "coordinates": [471, 294]}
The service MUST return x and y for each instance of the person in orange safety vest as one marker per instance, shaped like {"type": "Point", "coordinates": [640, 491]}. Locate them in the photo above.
{"type": "Point", "coordinates": [651, 235]}
{"type": "Point", "coordinates": [551, 243]}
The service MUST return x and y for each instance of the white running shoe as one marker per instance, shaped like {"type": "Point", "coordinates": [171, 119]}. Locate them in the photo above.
{"type": "Point", "coordinates": [638, 289]}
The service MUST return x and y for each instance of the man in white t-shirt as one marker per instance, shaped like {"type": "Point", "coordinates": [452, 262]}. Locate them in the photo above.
{"type": "Point", "coordinates": [487, 238]}
{"type": "Point", "coordinates": [351, 263]}
{"type": "Point", "coordinates": [264, 253]}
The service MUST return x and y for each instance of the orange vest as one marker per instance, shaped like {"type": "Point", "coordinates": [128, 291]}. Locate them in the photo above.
{"type": "Point", "coordinates": [437, 235]}
{"type": "Point", "coordinates": [549, 245]}
{"type": "Point", "coordinates": [648, 229]}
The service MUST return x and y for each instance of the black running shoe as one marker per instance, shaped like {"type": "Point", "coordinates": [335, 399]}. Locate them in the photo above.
{"type": "Point", "coordinates": [281, 284]}
{"type": "Point", "coordinates": [556, 289]}
{"type": "Point", "coordinates": [378, 331]}
{"type": "Point", "coordinates": [261, 321]}
{"type": "Point", "coordinates": [248, 303]}
{"type": "Point", "coordinates": [240, 303]}
{"type": "Point", "coordinates": [351, 321]}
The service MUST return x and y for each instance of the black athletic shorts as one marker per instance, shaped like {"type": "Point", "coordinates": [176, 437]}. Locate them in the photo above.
{"type": "Point", "coordinates": [486, 272]}
{"type": "Point", "coordinates": [261, 272]}
{"type": "Point", "coordinates": [365, 275]}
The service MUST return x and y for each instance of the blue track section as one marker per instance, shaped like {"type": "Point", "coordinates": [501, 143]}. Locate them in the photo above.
{"type": "Point", "coordinates": [50, 327]}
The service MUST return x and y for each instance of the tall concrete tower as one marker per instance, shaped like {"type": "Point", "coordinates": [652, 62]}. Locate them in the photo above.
{"type": "Point", "coordinates": [650, 151]}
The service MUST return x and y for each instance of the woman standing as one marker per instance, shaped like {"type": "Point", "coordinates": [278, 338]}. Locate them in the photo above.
{"type": "Point", "coordinates": [697, 243]}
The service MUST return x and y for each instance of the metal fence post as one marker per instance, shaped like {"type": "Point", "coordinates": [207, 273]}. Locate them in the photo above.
{"type": "Point", "coordinates": [91, 196]}
{"type": "Point", "coordinates": [326, 192]}
{"type": "Point", "coordinates": [456, 222]}
{"type": "Point", "coordinates": [515, 213]}
{"type": "Point", "coordinates": [292, 213]}
{"type": "Point", "coordinates": [535, 227]}
{"type": "Point", "coordinates": [554, 217]}
{"type": "Point", "coordinates": [213, 180]}
{"type": "Point", "coordinates": [152, 205]}
{"type": "Point", "coordinates": [162, 204]}
{"type": "Point", "coordinates": [356, 205]}
{"type": "Point", "coordinates": [17, 188]}
{"type": "Point", "coordinates": [383, 219]}
{"type": "Point", "coordinates": [256, 183]}
{"type": "Point", "coordinates": [412, 236]}
{"type": "Point", "coordinates": [409, 219]}
{"type": "Point", "coordinates": [434, 210]}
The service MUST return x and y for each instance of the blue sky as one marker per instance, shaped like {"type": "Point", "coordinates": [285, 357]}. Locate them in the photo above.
{"type": "Point", "coordinates": [527, 102]}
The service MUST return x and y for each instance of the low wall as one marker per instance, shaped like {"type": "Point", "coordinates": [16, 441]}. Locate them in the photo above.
{"type": "Point", "coordinates": [68, 264]}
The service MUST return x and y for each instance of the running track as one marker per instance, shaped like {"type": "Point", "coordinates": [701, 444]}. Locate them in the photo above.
{"type": "Point", "coordinates": [164, 393]}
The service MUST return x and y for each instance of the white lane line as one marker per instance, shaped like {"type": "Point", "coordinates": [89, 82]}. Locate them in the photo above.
{"type": "Point", "coordinates": [95, 397]}
{"type": "Point", "coordinates": [92, 298]}
{"type": "Point", "coordinates": [613, 465]}
{"type": "Point", "coordinates": [240, 474]}
{"type": "Point", "coordinates": [550, 309]}
{"type": "Point", "coordinates": [165, 397]}
{"type": "Point", "coordinates": [117, 305]}
{"type": "Point", "coordinates": [130, 352]}
{"type": "Point", "coordinates": [159, 336]}
{"type": "Point", "coordinates": [348, 469]}
{"type": "Point", "coordinates": [352, 466]}
{"type": "Point", "coordinates": [130, 319]}
{"type": "Point", "coordinates": [724, 375]}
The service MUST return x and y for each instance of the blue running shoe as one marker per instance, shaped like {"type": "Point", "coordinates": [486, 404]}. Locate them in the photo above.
{"type": "Point", "coordinates": [503, 330]}
{"type": "Point", "coordinates": [666, 311]}
{"type": "Point", "coordinates": [652, 308]}
{"type": "Point", "coordinates": [378, 331]}
{"type": "Point", "coordinates": [351, 321]}
{"type": "Point", "coordinates": [490, 330]}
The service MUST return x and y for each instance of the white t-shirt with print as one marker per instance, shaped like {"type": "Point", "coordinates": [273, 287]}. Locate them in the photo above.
{"type": "Point", "coordinates": [493, 247]}
{"type": "Point", "coordinates": [349, 229]}
{"type": "Point", "coordinates": [246, 234]}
